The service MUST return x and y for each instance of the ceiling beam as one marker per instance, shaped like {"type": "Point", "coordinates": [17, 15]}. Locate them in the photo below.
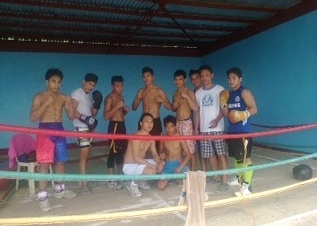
{"type": "Point", "coordinates": [131, 12]}
{"type": "Point", "coordinates": [97, 49]}
{"type": "Point", "coordinates": [216, 5]}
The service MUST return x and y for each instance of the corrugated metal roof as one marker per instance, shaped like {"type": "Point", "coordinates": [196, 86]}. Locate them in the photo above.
{"type": "Point", "coordinates": [121, 26]}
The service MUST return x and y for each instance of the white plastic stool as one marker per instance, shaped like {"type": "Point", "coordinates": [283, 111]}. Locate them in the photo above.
{"type": "Point", "coordinates": [30, 168]}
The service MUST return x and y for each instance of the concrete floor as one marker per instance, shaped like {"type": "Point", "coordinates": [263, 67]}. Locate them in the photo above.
{"type": "Point", "coordinates": [297, 206]}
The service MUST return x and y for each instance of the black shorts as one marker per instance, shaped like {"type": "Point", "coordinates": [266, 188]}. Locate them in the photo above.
{"type": "Point", "coordinates": [117, 128]}
{"type": "Point", "coordinates": [236, 148]}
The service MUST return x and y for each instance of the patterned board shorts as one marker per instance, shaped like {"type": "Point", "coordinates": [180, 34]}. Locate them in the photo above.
{"type": "Point", "coordinates": [210, 147]}
{"type": "Point", "coordinates": [185, 127]}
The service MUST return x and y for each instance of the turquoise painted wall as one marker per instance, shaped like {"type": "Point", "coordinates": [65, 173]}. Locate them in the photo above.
{"type": "Point", "coordinates": [279, 66]}
{"type": "Point", "coordinates": [22, 75]}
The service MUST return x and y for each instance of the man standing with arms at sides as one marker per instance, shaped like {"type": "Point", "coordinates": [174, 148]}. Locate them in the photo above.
{"type": "Point", "coordinates": [115, 110]}
{"type": "Point", "coordinates": [135, 162]}
{"type": "Point", "coordinates": [151, 97]}
{"type": "Point", "coordinates": [47, 108]}
{"type": "Point", "coordinates": [86, 104]}
{"type": "Point", "coordinates": [195, 80]}
{"type": "Point", "coordinates": [184, 103]}
{"type": "Point", "coordinates": [239, 105]}
{"type": "Point", "coordinates": [210, 122]}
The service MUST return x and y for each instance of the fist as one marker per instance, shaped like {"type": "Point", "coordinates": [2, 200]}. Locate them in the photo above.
{"type": "Point", "coordinates": [224, 97]}
{"type": "Point", "coordinates": [238, 116]}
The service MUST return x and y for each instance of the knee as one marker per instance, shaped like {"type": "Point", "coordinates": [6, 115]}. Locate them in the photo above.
{"type": "Point", "coordinates": [161, 185]}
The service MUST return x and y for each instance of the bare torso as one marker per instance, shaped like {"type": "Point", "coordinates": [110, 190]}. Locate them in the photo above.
{"type": "Point", "coordinates": [173, 150]}
{"type": "Point", "coordinates": [183, 111]}
{"type": "Point", "coordinates": [140, 146]}
{"type": "Point", "coordinates": [150, 101]}
{"type": "Point", "coordinates": [54, 109]}
{"type": "Point", "coordinates": [119, 114]}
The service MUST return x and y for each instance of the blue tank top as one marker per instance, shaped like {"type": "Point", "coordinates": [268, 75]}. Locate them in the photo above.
{"type": "Point", "coordinates": [236, 102]}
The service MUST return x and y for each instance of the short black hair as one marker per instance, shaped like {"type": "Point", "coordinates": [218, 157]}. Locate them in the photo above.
{"type": "Point", "coordinates": [147, 69]}
{"type": "Point", "coordinates": [144, 115]}
{"type": "Point", "coordinates": [91, 77]}
{"type": "Point", "coordinates": [116, 78]}
{"type": "Point", "coordinates": [53, 72]}
{"type": "Point", "coordinates": [205, 67]}
{"type": "Point", "coordinates": [180, 72]}
{"type": "Point", "coordinates": [192, 72]}
{"type": "Point", "coordinates": [169, 119]}
{"type": "Point", "coordinates": [235, 70]}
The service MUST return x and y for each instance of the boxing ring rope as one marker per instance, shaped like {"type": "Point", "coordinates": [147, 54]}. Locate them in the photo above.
{"type": "Point", "coordinates": [141, 213]}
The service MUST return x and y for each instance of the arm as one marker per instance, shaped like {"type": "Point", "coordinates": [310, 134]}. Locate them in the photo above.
{"type": "Point", "coordinates": [187, 157]}
{"type": "Point", "coordinates": [108, 111]}
{"type": "Point", "coordinates": [38, 107]}
{"type": "Point", "coordinates": [196, 122]}
{"type": "Point", "coordinates": [162, 151]}
{"type": "Point", "coordinates": [164, 100]}
{"type": "Point", "coordinates": [175, 104]}
{"type": "Point", "coordinates": [75, 106]}
{"type": "Point", "coordinates": [70, 111]}
{"type": "Point", "coordinates": [154, 154]}
{"type": "Point", "coordinates": [137, 100]}
{"type": "Point", "coordinates": [135, 145]}
{"type": "Point", "coordinates": [249, 101]}
{"type": "Point", "coordinates": [191, 99]}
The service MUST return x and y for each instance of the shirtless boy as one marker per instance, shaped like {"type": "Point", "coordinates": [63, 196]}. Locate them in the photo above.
{"type": "Point", "coordinates": [47, 108]}
{"type": "Point", "coordinates": [135, 162]}
{"type": "Point", "coordinates": [172, 152]}
{"type": "Point", "coordinates": [152, 97]}
{"type": "Point", "coordinates": [184, 103]}
{"type": "Point", "coordinates": [115, 110]}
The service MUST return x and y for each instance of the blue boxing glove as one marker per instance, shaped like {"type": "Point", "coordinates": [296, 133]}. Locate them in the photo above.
{"type": "Point", "coordinates": [97, 97]}
{"type": "Point", "coordinates": [90, 121]}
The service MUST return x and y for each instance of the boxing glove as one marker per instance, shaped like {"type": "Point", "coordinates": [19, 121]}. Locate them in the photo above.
{"type": "Point", "coordinates": [97, 97]}
{"type": "Point", "coordinates": [90, 121]}
{"type": "Point", "coordinates": [238, 116]}
{"type": "Point", "coordinates": [224, 97]}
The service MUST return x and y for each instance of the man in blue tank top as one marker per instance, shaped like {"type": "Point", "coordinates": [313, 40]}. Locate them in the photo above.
{"type": "Point", "coordinates": [239, 105]}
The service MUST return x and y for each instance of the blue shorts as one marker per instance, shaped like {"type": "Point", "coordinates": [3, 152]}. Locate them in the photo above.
{"type": "Point", "coordinates": [170, 167]}
{"type": "Point", "coordinates": [60, 144]}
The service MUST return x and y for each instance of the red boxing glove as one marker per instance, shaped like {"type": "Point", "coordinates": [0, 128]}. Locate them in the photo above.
{"type": "Point", "coordinates": [238, 116]}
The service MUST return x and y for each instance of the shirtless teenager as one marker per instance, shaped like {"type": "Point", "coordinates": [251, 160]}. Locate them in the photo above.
{"type": "Point", "coordinates": [152, 97]}
{"type": "Point", "coordinates": [184, 103]}
{"type": "Point", "coordinates": [172, 152]}
{"type": "Point", "coordinates": [115, 110]}
{"type": "Point", "coordinates": [135, 162]}
{"type": "Point", "coordinates": [47, 108]}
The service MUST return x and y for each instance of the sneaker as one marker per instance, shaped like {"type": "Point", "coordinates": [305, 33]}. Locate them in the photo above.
{"type": "Point", "coordinates": [67, 194]}
{"type": "Point", "coordinates": [114, 185]}
{"type": "Point", "coordinates": [234, 182]}
{"type": "Point", "coordinates": [134, 190]}
{"type": "Point", "coordinates": [45, 205]}
{"type": "Point", "coordinates": [245, 190]}
{"type": "Point", "coordinates": [85, 191]}
{"type": "Point", "coordinates": [143, 184]}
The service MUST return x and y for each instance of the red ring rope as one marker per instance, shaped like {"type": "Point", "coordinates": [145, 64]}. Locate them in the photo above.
{"type": "Point", "coordinates": [28, 130]}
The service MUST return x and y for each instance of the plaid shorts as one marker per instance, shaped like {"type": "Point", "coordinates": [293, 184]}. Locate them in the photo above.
{"type": "Point", "coordinates": [210, 147]}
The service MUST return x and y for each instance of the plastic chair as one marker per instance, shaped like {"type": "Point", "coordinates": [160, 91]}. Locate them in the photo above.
{"type": "Point", "coordinates": [23, 144]}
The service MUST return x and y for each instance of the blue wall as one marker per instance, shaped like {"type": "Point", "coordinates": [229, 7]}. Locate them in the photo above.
{"type": "Point", "coordinates": [22, 75]}
{"type": "Point", "coordinates": [279, 66]}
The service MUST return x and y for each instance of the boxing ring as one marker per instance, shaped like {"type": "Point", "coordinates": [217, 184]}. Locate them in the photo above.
{"type": "Point", "coordinates": [150, 212]}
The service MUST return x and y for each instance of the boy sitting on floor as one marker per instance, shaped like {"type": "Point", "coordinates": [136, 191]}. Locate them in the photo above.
{"type": "Point", "coordinates": [172, 152]}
